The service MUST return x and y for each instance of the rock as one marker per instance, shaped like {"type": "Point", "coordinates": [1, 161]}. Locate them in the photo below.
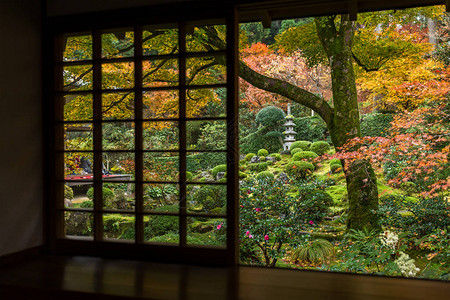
{"type": "Point", "coordinates": [220, 175]}
{"type": "Point", "coordinates": [242, 156]}
{"type": "Point", "coordinates": [255, 159]}
{"type": "Point", "coordinates": [270, 158]}
{"type": "Point", "coordinates": [207, 176]}
{"type": "Point", "coordinates": [282, 177]}
{"type": "Point", "coordinates": [67, 203]}
{"type": "Point", "coordinates": [201, 227]}
{"type": "Point", "coordinates": [171, 198]}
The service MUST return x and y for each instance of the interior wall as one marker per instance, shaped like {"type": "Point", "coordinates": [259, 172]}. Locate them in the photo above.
{"type": "Point", "coordinates": [21, 182]}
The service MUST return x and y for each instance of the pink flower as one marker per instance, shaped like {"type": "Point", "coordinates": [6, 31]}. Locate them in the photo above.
{"type": "Point", "coordinates": [266, 237]}
{"type": "Point", "coordinates": [247, 233]}
{"type": "Point", "coordinates": [311, 222]}
{"type": "Point", "coordinates": [258, 209]}
{"type": "Point", "coordinates": [219, 226]}
{"type": "Point", "coordinates": [250, 236]}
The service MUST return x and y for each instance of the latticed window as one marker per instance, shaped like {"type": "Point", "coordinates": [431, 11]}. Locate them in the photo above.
{"type": "Point", "coordinates": [141, 113]}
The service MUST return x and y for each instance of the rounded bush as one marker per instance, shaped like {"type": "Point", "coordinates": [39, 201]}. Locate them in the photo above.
{"type": "Point", "coordinates": [295, 150]}
{"type": "Point", "coordinates": [335, 161]}
{"type": "Point", "coordinates": [335, 168]}
{"type": "Point", "coordinates": [217, 169]}
{"type": "Point", "coordinates": [304, 145]}
{"type": "Point", "coordinates": [249, 156]}
{"type": "Point", "coordinates": [320, 147]}
{"type": "Point", "coordinates": [189, 176]}
{"type": "Point", "coordinates": [258, 167]}
{"type": "Point", "coordinates": [265, 175]}
{"type": "Point", "coordinates": [263, 152]}
{"type": "Point", "coordinates": [304, 155]}
{"type": "Point", "coordinates": [108, 196]}
{"type": "Point", "coordinates": [68, 192]}
{"type": "Point", "coordinates": [276, 155]}
{"type": "Point", "coordinates": [270, 116]}
{"type": "Point", "coordinates": [299, 169]}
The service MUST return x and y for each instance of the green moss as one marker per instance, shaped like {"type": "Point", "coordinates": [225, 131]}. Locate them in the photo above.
{"type": "Point", "coordinates": [337, 192]}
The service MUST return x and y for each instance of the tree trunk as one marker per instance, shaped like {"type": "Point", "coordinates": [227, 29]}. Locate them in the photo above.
{"type": "Point", "coordinates": [342, 120]}
{"type": "Point", "coordinates": [361, 180]}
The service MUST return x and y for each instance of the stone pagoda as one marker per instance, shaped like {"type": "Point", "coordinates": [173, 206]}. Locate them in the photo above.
{"type": "Point", "coordinates": [289, 133]}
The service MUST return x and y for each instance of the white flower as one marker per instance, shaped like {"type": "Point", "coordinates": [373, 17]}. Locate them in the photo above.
{"type": "Point", "coordinates": [406, 265]}
{"type": "Point", "coordinates": [389, 239]}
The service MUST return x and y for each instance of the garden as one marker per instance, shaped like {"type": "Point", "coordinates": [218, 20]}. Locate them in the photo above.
{"type": "Point", "coordinates": [363, 187]}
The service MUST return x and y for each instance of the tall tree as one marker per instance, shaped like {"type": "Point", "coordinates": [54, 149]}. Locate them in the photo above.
{"type": "Point", "coordinates": [336, 36]}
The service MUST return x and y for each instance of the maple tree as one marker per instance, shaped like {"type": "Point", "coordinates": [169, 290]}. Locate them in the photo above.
{"type": "Point", "coordinates": [290, 67]}
{"type": "Point", "coordinates": [333, 41]}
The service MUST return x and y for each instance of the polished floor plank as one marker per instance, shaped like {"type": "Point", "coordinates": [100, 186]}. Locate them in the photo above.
{"type": "Point", "coordinates": [58, 277]}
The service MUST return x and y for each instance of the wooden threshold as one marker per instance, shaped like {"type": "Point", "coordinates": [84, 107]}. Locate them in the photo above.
{"type": "Point", "coordinates": [76, 277]}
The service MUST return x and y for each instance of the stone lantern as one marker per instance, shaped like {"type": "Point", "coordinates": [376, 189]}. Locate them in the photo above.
{"type": "Point", "coordinates": [289, 133]}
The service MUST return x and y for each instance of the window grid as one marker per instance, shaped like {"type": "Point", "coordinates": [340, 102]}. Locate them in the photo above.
{"type": "Point", "coordinates": [98, 121]}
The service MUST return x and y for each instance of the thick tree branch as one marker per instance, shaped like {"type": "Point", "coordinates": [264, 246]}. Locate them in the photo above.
{"type": "Point", "coordinates": [277, 86]}
{"type": "Point", "coordinates": [285, 89]}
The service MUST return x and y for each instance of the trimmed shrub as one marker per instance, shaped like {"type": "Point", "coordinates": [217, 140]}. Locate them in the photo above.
{"type": "Point", "coordinates": [217, 169]}
{"type": "Point", "coordinates": [304, 155]}
{"type": "Point", "coordinates": [209, 196]}
{"type": "Point", "coordinates": [68, 192]}
{"type": "Point", "coordinates": [376, 124]}
{"type": "Point", "coordinates": [335, 161]}
{"type": "Point", "coordinates": [263, 152]}
{"type": "Point", "coordinates": [249, 156]}
{"type": "Point", "coordinates": [299, 169]}
{"type": "Point", "coordinates": [295, 150]}
{"type": "Point", "coordinates": [336, 168]}
{"type": "Point", "coordinates": [262, 158]}
{"type": "Point", "coordinates": [108, 196]}
{"type": "Point", "coordinates": [265, 175]}
{"type": "Point", "coordinates": [304, 145]}
{"type": "Point", "coordinates": [258, 167]}
{"type": "Point", "coordinates": [276, 155]}
{"type": "Point", "coordinates": [258, 140]}
{"type": "Point", "coordinates": [270, 116]}
{"type": "Point", "coordinates": [320, 147]}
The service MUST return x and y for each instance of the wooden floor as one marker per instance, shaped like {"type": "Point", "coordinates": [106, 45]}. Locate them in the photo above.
{"type": "Point", "coordinates": [84, 278]}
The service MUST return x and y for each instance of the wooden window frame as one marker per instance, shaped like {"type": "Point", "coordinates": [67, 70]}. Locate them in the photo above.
{"type": "Point", "coordinates": [56, 241]}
